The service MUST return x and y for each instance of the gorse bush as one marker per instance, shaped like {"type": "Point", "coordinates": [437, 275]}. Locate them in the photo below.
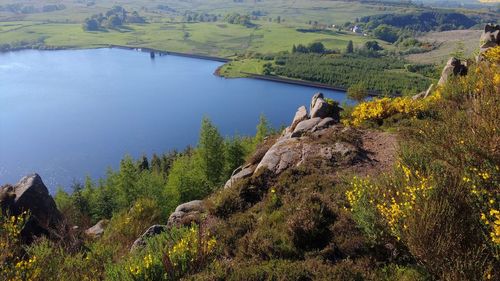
{"type": "Point", "coordinates": [380, 109]}
{"type": "Point", "coordinates": [169, 256]}
{"type": "Point", "coordinates": [13, 266]}
{"type": "Point", "coordinates": [442, 200]}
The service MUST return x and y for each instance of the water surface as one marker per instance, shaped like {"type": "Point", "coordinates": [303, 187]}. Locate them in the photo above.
{"type": "Point", "coordinates": [68, 114]}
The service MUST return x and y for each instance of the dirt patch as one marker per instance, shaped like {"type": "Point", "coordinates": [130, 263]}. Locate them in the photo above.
{"type": "Point", "coordinates": [377, 150]}
{"type": "Point", "coordinates": [381, 149]}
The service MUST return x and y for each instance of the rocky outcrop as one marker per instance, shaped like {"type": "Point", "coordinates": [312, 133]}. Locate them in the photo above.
{"type": "Point", "coordinates": [151, 232]}
{"type": "Point", "coordinates": [454, 67]}
{"type": "Point", "coordinates": [290, 150]}
{"type": "Point", "coordinates": [240, 173]}
{"type": "Point", "coordinates": [489, 39]}
{"type": "Point", "coordinates": [187, 213]}
{"type": "Point", "coordinates": [31, 195]}
{"type": "Point", "coordinates": [97, 230]}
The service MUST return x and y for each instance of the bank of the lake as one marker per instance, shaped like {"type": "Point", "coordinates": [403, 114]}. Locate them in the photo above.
{"type": "Point", "coordinates": [71, 113]}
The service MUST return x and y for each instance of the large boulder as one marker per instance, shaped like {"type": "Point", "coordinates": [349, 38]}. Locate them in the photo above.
{"type": "Point", "coordinates": [284, 154]}
{"type": "Point", "coordinates": [293, 152]}
{"type": "Point", "coordinates": [490, 38]}
{"type": "Point", "coordinates": [150, 232]}
{"type": "Point", "coordinates": [187, 213]}
{"type": "Point", "coordinates": [454, 67]}
{"type": "Point", "coordinates": [31, 195]}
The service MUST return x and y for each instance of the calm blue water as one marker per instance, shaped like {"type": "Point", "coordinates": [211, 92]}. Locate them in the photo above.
{"type": "Point", "coordinates": [68, 114]}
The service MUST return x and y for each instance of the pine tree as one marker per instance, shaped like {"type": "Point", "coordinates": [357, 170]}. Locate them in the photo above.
{"type": "Point", "coordinates": [127, 178]}
{"type": "Point", "coordinates": [155, 163]}
{"type": "Point", "coordinates": [143, 164]}
{"type": "Point", "coordinates": [350, 47]}
{"type": "Point", "coordinates": [263, 130]}
{"type": "Point", "coordinates": [210, 152]}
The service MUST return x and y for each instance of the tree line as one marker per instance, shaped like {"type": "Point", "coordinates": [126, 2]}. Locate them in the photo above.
{"type": "Point", "coordinates": [168, 179]}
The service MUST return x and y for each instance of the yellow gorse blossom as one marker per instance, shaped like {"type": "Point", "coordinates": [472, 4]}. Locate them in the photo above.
{"type": "Point", "coordinates": [381, 108]}
{"type": "Point", "coordinates": [393, 204]}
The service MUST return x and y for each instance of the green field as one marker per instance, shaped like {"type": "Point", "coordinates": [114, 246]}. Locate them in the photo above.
{"type": "Point", "coordinates": [215, 38]}
{"type": "Point", "coordinates": [165, 29]}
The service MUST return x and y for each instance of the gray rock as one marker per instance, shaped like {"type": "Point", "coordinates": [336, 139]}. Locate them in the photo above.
{"type": "Point", "coordinates": [282, 155]}
{"type": "Point", "coordinates": [187, 213]}
{"type": "Point", "coordinates": [305, 126]}
{"type": "Point", "coordinates": [192, 206]}
{"type": "Point", "coordinates": [314, 99]}
{"type": "Point", "coordinates": [97, 230]}
{"type": "Point", "coordinates": [300, 116]}
{"type": "Point", "coordinates": [239, 174]}
{"type": "Point", "coordinates": [324, 124]}
{"type": "Point", "coordinates": [152, 231]}
{"type": "Point", "coordinates": [319, 107]}
{"type": "Point", "coordinates": [453, 67]}
{"type": "Point", "coordinates": [30, 194]}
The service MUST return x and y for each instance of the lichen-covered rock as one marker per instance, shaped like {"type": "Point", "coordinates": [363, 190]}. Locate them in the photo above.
{"type": "Point", "coordinates": [305, 126]}
{"type": "Point", "coordinates": [187, 213]}
{"type": "Point", "coordinates": [282, 155]}
{"type": "Point", "coordinates": [239, 174]}
{"type": "Point", "coordinates": [324, 124]}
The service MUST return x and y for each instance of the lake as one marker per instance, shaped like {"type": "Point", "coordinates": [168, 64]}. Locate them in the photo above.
{"type": "Point", "coordinates": [68, 114]}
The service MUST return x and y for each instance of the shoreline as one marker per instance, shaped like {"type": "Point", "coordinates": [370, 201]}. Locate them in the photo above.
{"type": "Point", "coordinates": [286, 80]}
{"type": "Point", "coordinates": [163, 52]}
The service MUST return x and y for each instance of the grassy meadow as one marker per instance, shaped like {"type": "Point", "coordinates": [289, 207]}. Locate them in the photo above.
{"type": "Point", "coordinates": [165, 29]}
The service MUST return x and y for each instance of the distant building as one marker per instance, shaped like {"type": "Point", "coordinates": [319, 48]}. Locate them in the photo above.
{"type": "Point", "coordinates": [356, 29]}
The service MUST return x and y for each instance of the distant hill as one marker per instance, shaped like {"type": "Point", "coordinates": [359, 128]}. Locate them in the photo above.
{"type": "Point", "coordinates": [423, 21]}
